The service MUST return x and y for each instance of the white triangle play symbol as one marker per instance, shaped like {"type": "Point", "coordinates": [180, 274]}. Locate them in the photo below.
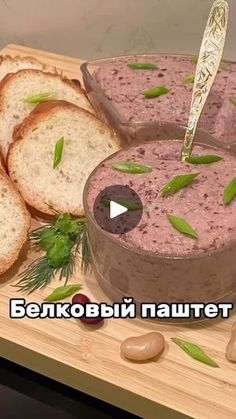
{"type": "Point", "coordinates": [116, 209]}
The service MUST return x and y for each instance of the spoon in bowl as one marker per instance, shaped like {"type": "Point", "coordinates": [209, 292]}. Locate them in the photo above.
{"type": "Point", "coordinates": [207, 67]}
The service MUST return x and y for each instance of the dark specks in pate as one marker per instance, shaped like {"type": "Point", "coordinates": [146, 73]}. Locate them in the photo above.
{"type": "Point", "coordinates": [141, 151]}
{"type": "Point", "coordinates": [201, 203]}
{"type": "Point", "coordinates": [123, 87]}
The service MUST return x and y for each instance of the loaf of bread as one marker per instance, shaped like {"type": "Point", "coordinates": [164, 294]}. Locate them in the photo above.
{"type": "Point", "coordinates": [87, 141]}
{"type": "Point", "coordinates": [15, 88]}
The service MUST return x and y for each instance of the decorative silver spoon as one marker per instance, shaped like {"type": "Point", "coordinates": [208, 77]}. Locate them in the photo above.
{"type": "Point", "coordinates": [207, 67]}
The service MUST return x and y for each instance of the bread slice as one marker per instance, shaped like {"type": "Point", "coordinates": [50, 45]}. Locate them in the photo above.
{"type": "Point", "coordinates": [14, 225]}
{"type": "Point", "coordinates": [10, 64]}
{"type": "Point", "coordinates": [16, 87]}
{"type": "Point", "coordinates": [87, 141]}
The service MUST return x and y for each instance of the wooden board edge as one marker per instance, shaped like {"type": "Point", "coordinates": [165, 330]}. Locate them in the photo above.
{"type": "Point", "coordinates": [84, 382]}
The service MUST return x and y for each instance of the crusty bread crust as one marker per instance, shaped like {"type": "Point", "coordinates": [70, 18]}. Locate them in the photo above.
{"type": "Point", "coordinates": [28, 59]}
{"type": "Point", "coordinates": [36, 116]}
{"type": "Point", "coordinates": [44, 109]}
{"type": "Point", "coordinates": [2, 165]}
{"type": "Point", "coordinates": [10, 77]}
{"type": "Point", "coordinates": [16, 58]}
{"type": "Point", "coordinates": [9, 260]}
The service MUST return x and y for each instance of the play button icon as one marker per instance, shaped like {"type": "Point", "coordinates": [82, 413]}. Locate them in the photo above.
{"type": "Point", "coordinates": [118, 209]}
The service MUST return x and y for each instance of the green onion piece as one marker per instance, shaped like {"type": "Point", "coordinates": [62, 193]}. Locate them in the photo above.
{"type": "Point", "coordinates": [194, 59]}
{"type": "Point", "coordinates": [223, 65]}
{"type": "Point", "coordinates": [182, 226]}
{"type": "Point", "coordinates": [233, 100]}
{"type": "Point", "coordinates": [58, 152]}
{"type": "Point", "coordinates": [189, 78]}
{"type": "Point", "coordinates": [203, 159]}
{"type": "Point", "coordinates": [131, 167]}
{"type": "Point", "coordinates": [142, 66]}
{"type": "Point", "coordinates": [230, 192]}
{"type": "Point", "coordinates": [178, 182]}
{"type": "Point", "coordinates": [40, 98]}
{"type": "Point", "coordinates": [61, 293]}
{"type": "Point", "coordinates": [155, 91]}
{"type": "Point", "coordinates": [131, 206]}
{"type": "Point", "coordinates": [195, 352]}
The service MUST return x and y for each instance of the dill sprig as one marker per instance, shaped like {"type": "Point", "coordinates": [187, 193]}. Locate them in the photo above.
{"type": "Point", "coordinates": [62, 241]}
{"type": "Point", "coordinates": [36, 276]}
{"type": "Point", "coordinates": [85, 249]}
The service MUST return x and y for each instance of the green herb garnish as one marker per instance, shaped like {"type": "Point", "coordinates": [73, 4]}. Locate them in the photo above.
{"type": "Point", "coordinates": [61, 240]}
{"type": "Point", "coordinates": [203, 159]}
{"type": "Point", "coordinates": [223, 64]}
{"type": "Point", "coordinates": [230, 192]}
{"type": "Point", "coordinates": [155, 91]}
{"type": "Point", "coordinates": [189, 78]}
{"type": "Point", "coordinates": [40, 98]}
{"type": "Point", "coordinates": [61, 293]}
{"type": "Point", "coordinates": [58, 254]}
{"type": "Point", "coordinates": [131, 167]}
{"type": "Point", "coordinates": [142, 66]}
{"type": "Point", "coordinates": [194, 59]}
{"type": "Point", "coordinates": [58, 152]}
{"type": "Point", "coordinates": [195, 352]}
{"type": "Point", "coordinates": [233, 100]}
{"type": "Point", "coordinates": [182, 226]}
{"type": "Point", "coordinates": [178, 182]}
{"type": "Point", "coordinates": [131, 206]}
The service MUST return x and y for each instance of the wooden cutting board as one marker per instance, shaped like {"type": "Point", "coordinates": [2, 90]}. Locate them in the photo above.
{"type": "Point", "coordinates": [89, 360]}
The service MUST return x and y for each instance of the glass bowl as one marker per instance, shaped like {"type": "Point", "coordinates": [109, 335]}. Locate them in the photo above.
{"type": "Point", "coordinates": [125, 271]}
{"type": "Point", "coordinates": [108, 112]}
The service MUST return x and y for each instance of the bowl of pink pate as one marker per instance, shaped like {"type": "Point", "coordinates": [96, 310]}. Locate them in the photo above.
{"type": "Point", "coordinates": [154, 262]}
{"type": "Point", "coordinates": [116, 91]}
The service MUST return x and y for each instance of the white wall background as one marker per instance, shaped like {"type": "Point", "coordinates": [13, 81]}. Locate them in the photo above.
{"type": "Point", "coordinates": [97, 28]}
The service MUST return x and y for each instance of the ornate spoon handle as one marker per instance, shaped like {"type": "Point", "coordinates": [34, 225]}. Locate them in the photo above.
{"type": "Point", "coordinates": [207, 67]}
